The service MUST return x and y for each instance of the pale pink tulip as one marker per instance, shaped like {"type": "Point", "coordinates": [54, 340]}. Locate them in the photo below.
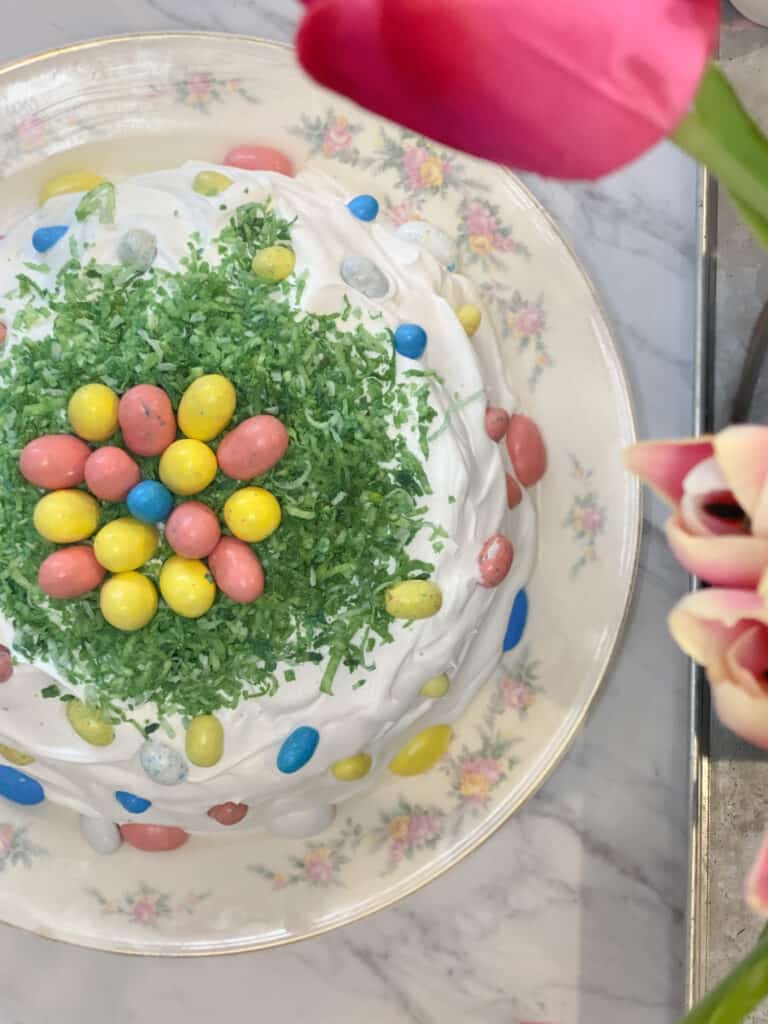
{"type": "Point", "coordinates": [756, 888]}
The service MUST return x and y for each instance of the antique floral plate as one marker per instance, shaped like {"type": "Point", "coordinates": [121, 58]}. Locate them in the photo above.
{"type": "Point", "coordinates": [119, 106]}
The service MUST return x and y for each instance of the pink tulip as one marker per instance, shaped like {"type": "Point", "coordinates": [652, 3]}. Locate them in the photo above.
{"type": "Point", "coordinates": [564, 88]}
{"type": "Point", "coordinates": [757, 881]}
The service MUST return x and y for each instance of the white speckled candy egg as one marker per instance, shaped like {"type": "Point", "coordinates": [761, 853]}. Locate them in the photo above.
{"type": "Point", "coordinates": [299, 823]}
{"type": "Point", "coordinates": [162, 763]}
{"type": "Point", "coordinates": [431, 238]}
{"type": "Point", "coordinates": [101, 834]}
{"type": "Point", "coordinates": [364, 276]}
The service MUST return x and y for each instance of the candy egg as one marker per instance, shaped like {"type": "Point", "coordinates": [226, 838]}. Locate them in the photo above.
{"type": "Point", "coordinates": [228, 813]}
{"type": "Point", "coordinates": [17, 757]}
{"type": "Point", "coordinates": [146, 419]}
{"type": "Point", "coordinates": [125, 544]}
{"type": "Point", "coordinates": [422, 752]}
{"type": "Point", "coordinates": [206, 407]}
{"type": "Point", "coordinates": [73, 181]}
{"type": "Point", "coordinates": [297, 749]}
{"type": "Point", "coordinates": [211, 183]}
{"type": "Point", "coordinates": [19, 787]}
{"type": "Point", "coordinates": [132, 803]}
{"type": "Point", "coordinates": [252, 514]}
{"type": "Point", "coordinates": [470, 318]}
{"type": "Point", "coordinates": [54, 461]}
{"type": "Point", "coordinates": [518, 617]}
{"type": "Point", "coordinates": [204, 742]}
{"type": "Point", "coordinates": [526, 450]}
{"type": "Point", "coordinates": [431, 238]}
{"type": "Point", "coordinates": [3, 333]}
{"type": "Point", "coordinates": [364, 276]}
{"type": "Point", "coordinates": [193, 530]}
{"type": "Point", "coordinates": [70, 572]}
{"type": "Point", "coordinates": [274, 263]}
{"type": "Point", "coordinates": [128, 601]}
{"type": "Point", "coordinates": [45, 238]}
{"type": "Point", "coordinates": [92, 411]}
{"type": "Point", "coordinates": [162, 763]}
{"type": "Point", "coordinates": [350, 769]}
{"type": "Point", "coordinates": [150, 502]}
{"type": "Point", "coordinates": [101, 834]}
{"type": "Point", "coordinates": [187, 467]}
{"type": "Point", "coordinates": [259, 158]}
{"type": "Point", "coordinates": [6, 664]}
{"type": "Point", "coordinates": [496, 423]}
{"type": "Point", "coordinates": [253, 447]}
{"type": "Point", "coordinates": [413, 599]}
{"type": "Point", "coordinates": [65, 517]}
{"type": "Point", "coordinates": [237, 570]}
{"type": "Point", "coordinates": [187, 587]}
{"type": "Point", "coordinates": [154, 838]}
{"type": "Point", "coordinates": [436, 687]}
{"type": "Point", "coordinates": [495, 560]}
{"type": "Point", "coordinates": [137, 249]}
{"type": "Point", "coordinates": [514, 494]}
{"type": "Point", "coordinates": [410, 340]}
{"type": "Point", "coordinates": [364, 207]}
{"type": "Point", "coordinates": [90, 724]}
{"type": "Point", "coordinates": [110, 473]}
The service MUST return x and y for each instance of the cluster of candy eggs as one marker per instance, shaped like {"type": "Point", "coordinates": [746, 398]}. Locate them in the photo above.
{"type": "Point", "coordinates": [69, 515]}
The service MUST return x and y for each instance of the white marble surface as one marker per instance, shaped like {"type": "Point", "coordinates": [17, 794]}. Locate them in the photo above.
{"type": "Point", "coordinates": [574, 912]}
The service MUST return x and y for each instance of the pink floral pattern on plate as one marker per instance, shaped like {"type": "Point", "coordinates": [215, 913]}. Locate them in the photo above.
{"type": "Point", "coordinates": [476, 771]}
{"type": "Point", "coordinates": [203, 90]}
{"type": "Point", "coordinates": [406, 829]}
{"type": "Point", "coordinates": [524, 323]}
{"type": "Point", "coordinates": [331, 135]}
{"type": "Point", "coordinates": [517, 688]}
{"type": "Point", "coordinates": [320, 864]}
{"type": "Point", "coordinates": [147, 906]}
{"type": "Point", "coordinates": [586, 517]}
{"type": "Point", "coordinates": [16, 848]}
{"type": "Point", "coordinates": [482, 234]}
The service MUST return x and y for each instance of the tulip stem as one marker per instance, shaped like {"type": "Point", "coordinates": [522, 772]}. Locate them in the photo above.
{"type": "Point", "coordinates": [739, 993]}
{"type": "Point", "coordinates": [720, 133]}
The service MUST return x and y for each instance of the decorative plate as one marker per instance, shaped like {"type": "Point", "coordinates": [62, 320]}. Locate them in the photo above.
{"type": "Point", "coordinates": [139, 103]}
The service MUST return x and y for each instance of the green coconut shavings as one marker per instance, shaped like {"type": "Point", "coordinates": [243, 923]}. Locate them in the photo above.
{"type": "Point", "coordinates": [351, 490]}
{"type": "Point", "coordinates": [100, 201]}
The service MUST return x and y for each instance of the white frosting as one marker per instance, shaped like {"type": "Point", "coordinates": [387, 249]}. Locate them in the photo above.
{"type": "Point", "coordinates": [464, 639]}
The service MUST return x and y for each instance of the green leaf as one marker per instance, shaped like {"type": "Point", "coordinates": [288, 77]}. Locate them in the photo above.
{"type": "Point", "coordinates": [739, 993]}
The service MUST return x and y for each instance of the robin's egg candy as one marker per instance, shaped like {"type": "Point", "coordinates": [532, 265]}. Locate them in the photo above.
{"type": "Point", "coordinates": [137, 249]}
{"type": "Point", "coordinates": [414, 599]}
{"type": "Point", "coordinates": [150, 502]}
{"type": "Point", "coordinates": [273, 264]}
{"type": "Point", "coordinates": [433, 239]}
{"type": "Point", "coordinates": [259, 158]}
{"type": "Point", "coordinates": [470, 318]}
{"type": "Point", "coordinates": [90, 724]}
{"type": "Point", "coordinates": [364, 276]}
{"type": "Point", "coordinates": [253, 447]}
{"type": "Point", "coordinates": [92, 411]}
{"type": "Point", "coordinates": [55, 461]}
{"type": "Point", "coordinates": [110, 473]}
{"type": "Point", "coordinates": [65, 184]}
{"type": "Point", "coordinates": [187, 586]}
{"type": "Point", "coordinates": [236, 570]}
{"type": "Point", "coordinates": [187, 467]}
{"type": "Point", "coordinates": [252, 514]}
{"type": "Point", "coordinates": [45, 238]}
{"type": "Point", "coordinates": [66, 517]}
{"type": "Point", "coordinates": [162, 763]}
{"type": "Point", "coordinates": [496, 423]}
{"type": "Point", "coordinates": [410, 340]}
{"type": "Point", "coordinates": [364, 207]}
{"type": "Point", "coordinates": [211, 183]}
{"type": "Point", "coordinates": [154, 838]}
{"type": "Point", "coordinates": [70, 572]}
{"type": "Point", "coordinates": [495, 560]}
{"type": "Point", "coordinates": [526, 450]}
{"type": "Point", "coordinates": [204, 742]}
{"type": "Point", "coordinates": [147, 420]}
{"type": "Point", "coordinates": [193, 530]}
{"type": "Point", "coordinates": [206, 407]}
{"type": "Point", "coordinates": [128, 601]}
{"type": "Point", "coordinates": [125, 544]}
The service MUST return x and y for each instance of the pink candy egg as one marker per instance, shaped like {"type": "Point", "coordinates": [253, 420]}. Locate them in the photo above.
{"type": "Point", "coordinates": [154, 838]}
{"type": "Point", "coordinates": [253, 447]}
{"type": "Point", "coordinates": [237, 570]}
{"type": "Point", "coordinates": [110, 473]}
{"type": "Point", "coordinates": [3, 333]}
{"type": "Point", "coordinates": [514, 494]}
{"type": "Point", "coordinates": [229, 813]}
{"type": "Point", "coordinates": [193, 530]}
{"type": "Point", "coordinates": [6, 664]}
{"type": "Point", "coordinates": [526, 450]}
{"type": "Point", "coordinates": [496, 423]}
{"type": "Point", "coordinates": [495, 560]}
{"type": "Point", "coordinates": [259, 158]}
{"type": "Point", "coordinates": [147, 420]}
{"type": "Point", "coordinates": [70, 572]}
{"type": "Point", "coordinates": [55, 462]}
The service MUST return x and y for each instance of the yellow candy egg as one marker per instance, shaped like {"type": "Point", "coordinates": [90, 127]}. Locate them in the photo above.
{"type": "Point", "coordinates": [436, 687]}
{"type": "Point", "coordinates": [92, 411]}
{"type": "Point", "coordinates": [206, 407]}
{"type": "Point", "coordinates": [15, 756]}
{"type": "Point", "coordinates": [252, 514]}
{"type": "Point", "coordinates": [350, 769]}
{"type": "Point", "coordinates": [274, 263]}
{"type": "Point", "coordinates": [211, 183]}
{"type": "Point", "coordinates": [414, 599]}
{"type": "Point", "coordinates": [187, 467]}
{"type": "Point", "coordinates": [63, 184]}
{"type": "Point", "coordinates": [470, 318]}
{"type": "Point", "coordinates": [422, 752]}
{"type": "Point", "coordinates": [90, 724]}
{"type": "Point", "coordinates": [128, 601]}
{"type": "Point", "coordinates": [125, 544]}
{"type": "Point", "coordinates": [65, 517]}
{"type": "Point", "coordinates": [187, 586]}
{"type": "Point", "coordinates": [205, 741]}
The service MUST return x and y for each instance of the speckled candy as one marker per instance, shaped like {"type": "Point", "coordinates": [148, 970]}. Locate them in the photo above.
{"type": "Point", "coordinates": [131, 802]}
{"type": "Point", "coordinates": [297, 749]}
{"type": "Point", "coordinates": [526, 450]}
{"type": "Point", "coordinates": [259, 158]}
{"type": "Point", "coordinates": [101, 834]}
{"type": "Point", "coordinates": [364, 207]}
{"type": "Point", "coordinates": [154, 838]}
{"type": "Point", "coordinates": [514, 492]}
{"type": "Point", "coordinates": [92, 411]}
{"type": "Point", "coordinates": [147, 420]}
{"type": "Point", "coordinates": [110, 473]}
{"type": "Point", "coordinates": [17, 757]}
{"type": "Point", "coordinates": [414, 599]}
{"type": "Point", "coordinates": [19, 787]}
{"type": "Point", "coordinates": [350, 769]}
{"type": "Point", "coordinates": [364, 276]}
{"type": "Point", "coordinates": [204, 741]}
{"type": "Point", "coordinates": [518, 618]}
{"type": "Point", "coordinates": [6, 664]}
{"type": "Point", "coordinates": [193, 529]}
{"type": "Point", "coordinates": [45, 238]}
{"type": "Point", "coordinates": [237, 570]}
{"type": "Point", "coordinates": [253, 447]}
{"type": "Point", "coordinates": [150, 502]}
{"type": "Point", "coordinates": [273, 264]}
{"type": "Point", "coordinates": [162, 763]}
{"type": "Point", "coordinates": [410, 340]}
{"type": "Point", "coordinates": [229, 813]}
{"type": "Point", "coordinates": [70, 572]}
{"type": "Point", "coordinates": [137, 250]}
{"type": "Point", "coordinates": [66, 517]}
{"type": "Point", "coordinates": [496, 423]}
{"type": "Point", "coordinates": [89, 724]}
{"type": "Point", "coordinates": [55, 461]}
{"type": "Point", "coordinates": [436, 687]}
{"type": "Point", "coordinates": [495, 560]}
{"type": "Point", "coordinates": [422, 752]}
{"type": "Point", "coordinates": [211, 183]}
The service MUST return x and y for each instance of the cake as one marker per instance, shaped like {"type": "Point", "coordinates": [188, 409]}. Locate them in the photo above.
{"type": "Point", "coordinates": [261, 540]}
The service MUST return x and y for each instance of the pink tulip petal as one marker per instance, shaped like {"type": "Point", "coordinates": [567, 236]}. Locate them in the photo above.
{"type": "Point", "coordinates": [726, 561]}
{"type": "Point", "coordinates": [664, 465]}
{"type": "Point", "coordinates": [706, 623]}
{"type": "Point", "coordinates": [704, 515]}
{"type": "Point", "coordinates": [742, 454]}
{"type": "Point", "coordinates": [756, 888]}
{"type": "Point", "coordinates": [567, 89]}
{"type": "Point", "coordinates": [759, 522]}
{"type": "Point", "coordinates": [743, 713]}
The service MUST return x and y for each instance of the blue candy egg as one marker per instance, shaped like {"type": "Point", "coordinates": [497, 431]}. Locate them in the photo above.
{"type": "Point", "coordinates": [364, 207]}
{"type": "Point", "coordinates": [45, 238]}
{"type": "Point", "coordinates": [21, 788]}
{"type": "Point", "coordinates": [297, 749]}
{"type": "Point", "coordinates": [150, 502]}
{"type": "Point", "coordinates": [131, 802]}
{"type": "Point", "coordinates": [162, 763]}
{"type": "Point", "coordinates": [410, 340]}
{"type": "Point", "coordinates": [517, 620]}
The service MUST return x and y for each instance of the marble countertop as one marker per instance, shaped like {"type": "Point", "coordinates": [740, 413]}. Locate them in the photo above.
{"type": "Point", "coordinates": [573, 913]}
